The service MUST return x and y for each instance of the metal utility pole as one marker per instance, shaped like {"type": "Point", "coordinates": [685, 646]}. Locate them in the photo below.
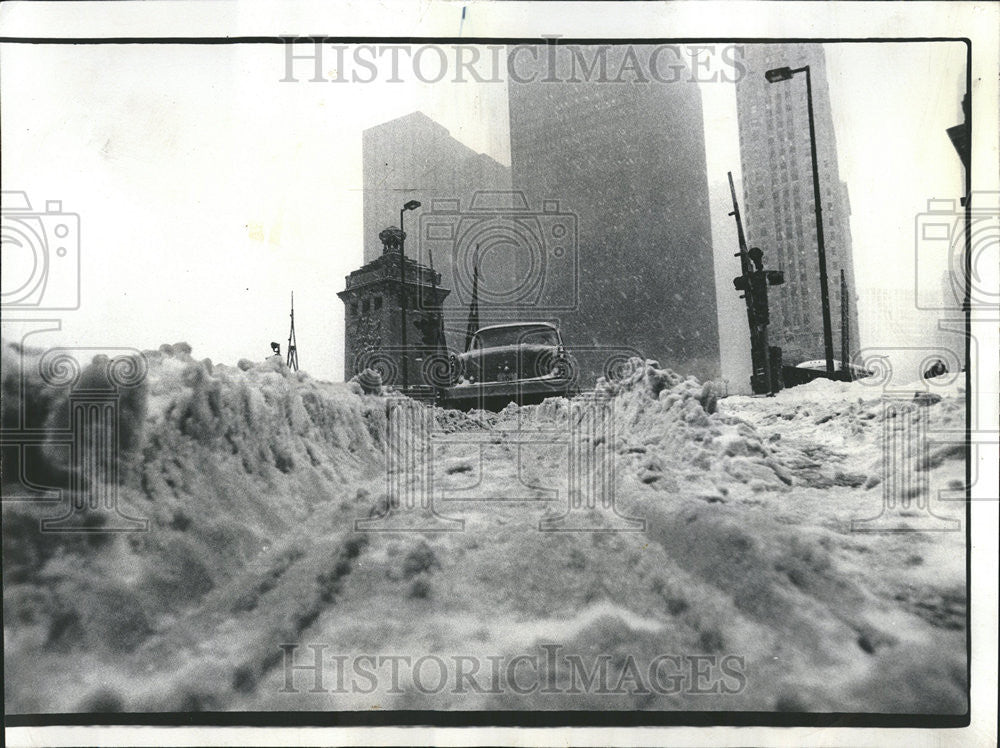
{"type": "Point", "coordinates": [784, 74]}
{"type": "Point", "coordinates": [292, 357]}
{"type": "Point", "coordinates": [845, 329]}
{"type": "Point", "coordinates": [753, 282]}
{"type": "Point", "coordinates": [411, 205]}
{"type": "Point", "coordinates": [757, 361]}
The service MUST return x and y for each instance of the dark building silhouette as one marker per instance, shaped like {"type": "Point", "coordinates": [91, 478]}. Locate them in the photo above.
{"type": "Point", "coordinates": [415, 158]}
{"type": "Point", "coordinates": [627, 159]}
{"type": "Point", "coordinates": [373, 320]}
{"type": "Point", "coordinates": [776, 160]}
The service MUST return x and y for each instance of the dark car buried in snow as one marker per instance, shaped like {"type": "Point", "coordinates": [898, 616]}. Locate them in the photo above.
{"type": "Point", "coordinates": [519, 362]}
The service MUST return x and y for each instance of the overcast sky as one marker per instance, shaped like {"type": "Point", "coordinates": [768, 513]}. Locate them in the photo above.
{"type": "Point", "coordinates": [208, 189]}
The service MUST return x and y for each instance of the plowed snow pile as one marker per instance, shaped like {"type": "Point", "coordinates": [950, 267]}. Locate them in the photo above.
{"type": "Point", "coordinates": [747, 587]}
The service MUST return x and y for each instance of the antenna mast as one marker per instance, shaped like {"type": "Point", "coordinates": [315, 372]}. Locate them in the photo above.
{"type": "Point", "coordinates": [439, 319]}
{"type": "Point", "coordinates": [292, 359]}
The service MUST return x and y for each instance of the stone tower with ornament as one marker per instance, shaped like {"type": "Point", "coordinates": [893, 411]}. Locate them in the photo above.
{"type": "Point", "coordinates": [381, 297]}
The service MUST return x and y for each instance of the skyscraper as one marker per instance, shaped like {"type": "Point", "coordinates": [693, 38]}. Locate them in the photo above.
{"type": "Point", "coordinates": [626, 157]}
{"type": "Point", "coordinates": [779, 208]}
{"type": "Point", "coordinates": [415, 158]}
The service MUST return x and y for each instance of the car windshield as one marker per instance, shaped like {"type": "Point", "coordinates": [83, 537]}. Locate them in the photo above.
{"type": "Point", "coordinates": [499, 336]}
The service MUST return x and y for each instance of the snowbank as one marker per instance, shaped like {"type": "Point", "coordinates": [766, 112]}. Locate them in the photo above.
{"type": "Point", "coordinates": [223, 461]}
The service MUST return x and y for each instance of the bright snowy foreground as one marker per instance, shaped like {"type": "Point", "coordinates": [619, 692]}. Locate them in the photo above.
{"type": "Point", "coordinates": [253, 478]}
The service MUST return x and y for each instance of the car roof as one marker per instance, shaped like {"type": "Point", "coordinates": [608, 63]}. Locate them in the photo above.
{"type": "Point", "coordinates": [820, 363]}
{"type": "Point", "coordinates": [517, 324]}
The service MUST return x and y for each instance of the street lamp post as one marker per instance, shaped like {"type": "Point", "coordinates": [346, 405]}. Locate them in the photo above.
{"type": "Point", "coordinates": [784, 74]}
{"type": "Point", "coordinates": [411, 205]}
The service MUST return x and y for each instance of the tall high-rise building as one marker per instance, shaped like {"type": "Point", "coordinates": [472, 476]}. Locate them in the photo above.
{"type": "Point", "coordinates": [779, 208]}
{"type": "Point", "coordinates": [415, 158]}
{"type": "Point", "coordinates": [624, 157]}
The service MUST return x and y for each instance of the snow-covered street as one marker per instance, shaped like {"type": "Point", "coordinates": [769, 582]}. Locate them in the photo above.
{"type": "Point", "coordinates": [748, 588]}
